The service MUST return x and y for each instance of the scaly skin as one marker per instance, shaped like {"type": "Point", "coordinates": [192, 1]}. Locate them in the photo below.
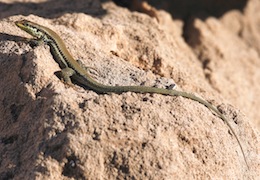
{"type": "Point", "coordinates": [71, 69]}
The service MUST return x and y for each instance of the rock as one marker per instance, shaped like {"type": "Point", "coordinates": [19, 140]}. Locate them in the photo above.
{"type": "Point", "coordinates": [49, 130]}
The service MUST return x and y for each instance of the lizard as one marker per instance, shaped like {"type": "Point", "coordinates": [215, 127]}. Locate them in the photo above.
{"type": "Point", "coordinates": [72, 70]}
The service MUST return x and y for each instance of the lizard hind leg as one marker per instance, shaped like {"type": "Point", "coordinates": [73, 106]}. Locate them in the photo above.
{"type": "Point", "coordinates": [87, 68]}
{"type": "Point", "coordinates": [64, 75]}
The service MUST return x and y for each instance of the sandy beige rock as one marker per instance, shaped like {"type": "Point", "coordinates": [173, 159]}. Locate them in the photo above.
{"type": "Point", "coordinates": [51, 131]}
{"type": "Point", "coordinates": [230, 65]}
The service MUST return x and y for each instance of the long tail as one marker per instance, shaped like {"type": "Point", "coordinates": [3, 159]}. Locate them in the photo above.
{"type": "Point", "coordinates": [98, 87]}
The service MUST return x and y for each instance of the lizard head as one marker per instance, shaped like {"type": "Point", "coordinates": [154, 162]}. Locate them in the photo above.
{"type": "Point", "coordinates": [30, 27]}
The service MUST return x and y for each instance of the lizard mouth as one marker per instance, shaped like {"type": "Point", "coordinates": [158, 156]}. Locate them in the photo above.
{"type": "Point", "coordinates": [20, 24]}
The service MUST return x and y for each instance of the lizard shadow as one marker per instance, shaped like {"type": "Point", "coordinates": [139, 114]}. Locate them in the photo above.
{"type": "Point", "coordinates": [8, 37]}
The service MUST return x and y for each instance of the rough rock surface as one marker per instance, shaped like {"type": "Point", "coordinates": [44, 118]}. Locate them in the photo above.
{"type": "Point", "coordinates": [51, 131]}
